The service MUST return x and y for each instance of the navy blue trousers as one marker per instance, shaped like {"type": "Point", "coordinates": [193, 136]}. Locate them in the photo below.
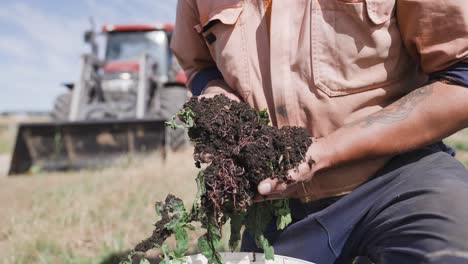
{"type": "Point", "coordinates": [415, 210]}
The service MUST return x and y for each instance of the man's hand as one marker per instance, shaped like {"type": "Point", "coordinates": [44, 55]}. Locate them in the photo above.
{"type": "Point", "coordinates": [424, 116]}
{"type": "Point", "coordinates": [228, 95]}
{"type": "Point", "coordinates": [272, 189]}
{"type": "Point", "coordinates": [217, 87]}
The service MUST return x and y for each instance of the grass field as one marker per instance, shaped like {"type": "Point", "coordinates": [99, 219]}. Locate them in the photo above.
{"type": "Point", "coordinates": [459, 141]}
{"type": "Point", "coordinates": [96, 216]}
{"type": "Point", "coordinates": [87, 216]}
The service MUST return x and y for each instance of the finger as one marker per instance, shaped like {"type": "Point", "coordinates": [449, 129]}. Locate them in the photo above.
{"type": "Point", "coordinates": [270, 186]}
{"type": "Point", "coordinates": [263, 198]}
{"type": "Point", "coordinates": [206, 96]}
{"type": "Point", "coordinates": [259, 198]}
{"type": "Point", "coordinates": [233, 97]}
{"type": "Point", "coordinates": [209, 95]}
{"type": "Point", "coordinates": [301, 173]}
{"type": "Point", "coordinates": [290, 192]}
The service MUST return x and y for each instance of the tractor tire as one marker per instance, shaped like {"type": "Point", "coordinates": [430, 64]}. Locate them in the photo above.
{"type": "Point", "coordinates": [62, 105]}
{"type": "Point", "coordinates": [172, 99]}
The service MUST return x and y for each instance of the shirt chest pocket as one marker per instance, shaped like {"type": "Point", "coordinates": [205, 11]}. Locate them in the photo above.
{"type": "Point", "coordinates": [355, 45]}
{"type": "Point", "coordinates": [223, 32]}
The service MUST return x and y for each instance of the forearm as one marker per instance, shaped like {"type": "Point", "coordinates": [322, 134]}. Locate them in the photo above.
{"type": "Point", "coordinates": [424, 116]}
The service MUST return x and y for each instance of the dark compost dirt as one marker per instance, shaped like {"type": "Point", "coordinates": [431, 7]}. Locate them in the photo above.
{"type": "Point", "coordinates": [243, 149]}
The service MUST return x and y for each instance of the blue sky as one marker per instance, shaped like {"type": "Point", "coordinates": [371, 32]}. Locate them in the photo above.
{"type": "Point", "coordinates": [41, 43]}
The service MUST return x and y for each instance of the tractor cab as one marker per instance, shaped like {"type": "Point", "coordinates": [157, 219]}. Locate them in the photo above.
{"type": "Point", "coordinates": [129, 81]}
{"type": "Point", "coordinates": [125, 44]}
{"type": "Point", "coordinates": [130, 51]}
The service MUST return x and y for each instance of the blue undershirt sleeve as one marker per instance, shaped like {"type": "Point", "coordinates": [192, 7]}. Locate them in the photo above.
{"type": "Point", "coordinates": [457, 73]}
{"type": "Point", "coordinates": [202, 78]}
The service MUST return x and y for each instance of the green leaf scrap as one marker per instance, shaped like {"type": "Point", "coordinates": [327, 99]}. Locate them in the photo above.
{"type": "Point", "coordinates": [181, 237]}
{"type": "Point", "coordinates": [282, 213]}
{"type": "Point", "coordinates": [258, 217]}
{"type": "Point", "coordinates": [208, 244]}
{"type": "Point", "coordinates": [263, 114]}
{"type": "Point", "coordinates": [265, 245]}
{"type": "Point", "coordinates": [166, 259]}
{"type": "Point", "coordinates": [236, 225]}
{"type": "Point", "coordinates": [158, 208]}
{"type": "Point", "coordinates": [186, 115]}
{"type": "Point", "coordinates": [144, 261]}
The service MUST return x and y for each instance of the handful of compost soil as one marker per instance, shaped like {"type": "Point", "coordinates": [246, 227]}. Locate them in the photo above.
{"type": "Point", "coordinates": [243, 150]}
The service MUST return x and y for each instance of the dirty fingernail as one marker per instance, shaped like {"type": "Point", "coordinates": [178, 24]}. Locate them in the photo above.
{"type": "Point", "coordinates": [264, 188]}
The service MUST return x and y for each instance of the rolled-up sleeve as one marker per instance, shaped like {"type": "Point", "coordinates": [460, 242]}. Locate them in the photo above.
{"type": "Point", "coordinates": [186, 44]}
{"type": "Point", "coordinates": [435, 32]}
{"type": "Point", "coordinates": [192, 53]}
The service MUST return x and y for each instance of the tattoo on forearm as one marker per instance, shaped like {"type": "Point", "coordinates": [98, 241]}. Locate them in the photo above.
{"type": "Point", "coordinates": [399, 110]}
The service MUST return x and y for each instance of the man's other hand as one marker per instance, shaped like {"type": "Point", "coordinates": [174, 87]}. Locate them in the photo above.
{"type": "Point", "coordinates": [271, 189]}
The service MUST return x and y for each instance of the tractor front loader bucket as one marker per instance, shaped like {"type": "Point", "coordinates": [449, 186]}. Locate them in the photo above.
{"type": "Point", "coordinates": [77, 145]}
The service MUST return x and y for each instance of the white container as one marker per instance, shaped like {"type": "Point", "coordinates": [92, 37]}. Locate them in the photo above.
{"type": "Point", "coordinates": [245, 258]}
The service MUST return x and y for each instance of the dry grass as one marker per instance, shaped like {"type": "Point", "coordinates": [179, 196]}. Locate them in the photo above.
{"type": "Point", "coordinates": [85, 217]}
{"type": "Point", "coordinates": [95, 216]}
{"type": "Point", "coordinates": [459, 141]}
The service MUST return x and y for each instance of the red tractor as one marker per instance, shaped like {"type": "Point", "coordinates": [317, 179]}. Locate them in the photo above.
{"type": "Point", "coordinates": [118, 105]}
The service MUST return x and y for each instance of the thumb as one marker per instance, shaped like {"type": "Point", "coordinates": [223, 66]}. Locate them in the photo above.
{"type": "Point", "coordinates": [271, 186]}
